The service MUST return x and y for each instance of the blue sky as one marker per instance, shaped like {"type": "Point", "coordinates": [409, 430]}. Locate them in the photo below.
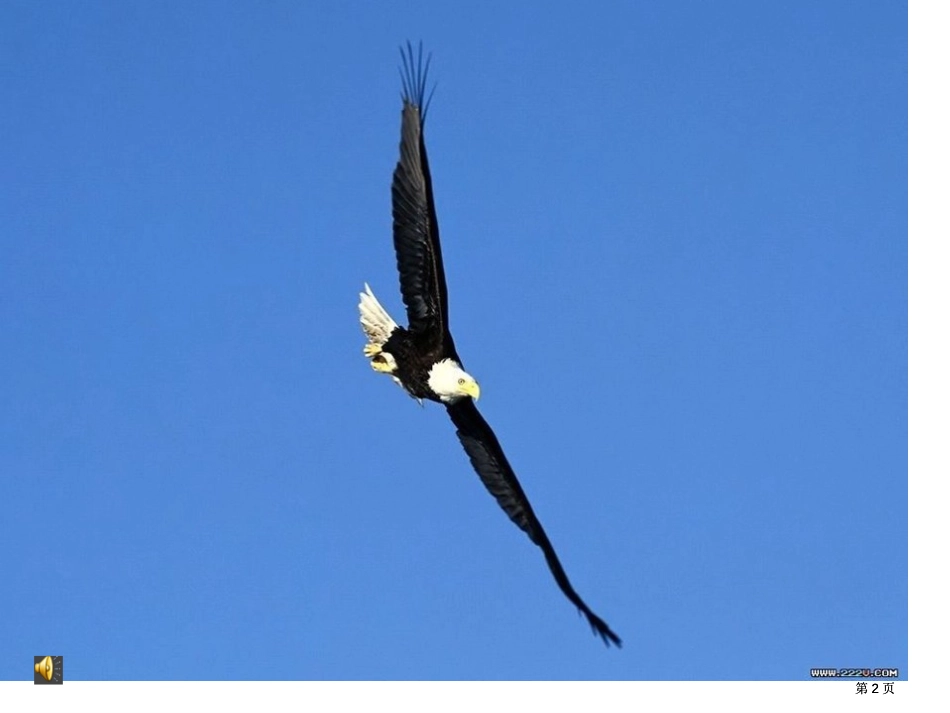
{"type": "Point", "coordinates": [675, 238]}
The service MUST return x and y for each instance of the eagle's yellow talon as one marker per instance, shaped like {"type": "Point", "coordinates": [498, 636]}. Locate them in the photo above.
{"type": "Point", "coordinates": [381, 366]}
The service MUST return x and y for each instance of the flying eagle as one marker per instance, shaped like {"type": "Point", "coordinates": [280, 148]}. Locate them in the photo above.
{"type": "Point", "coordinates": [422, 358]}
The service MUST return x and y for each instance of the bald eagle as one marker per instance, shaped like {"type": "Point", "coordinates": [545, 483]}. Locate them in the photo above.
{"type": "Point", "coordinates": [422, 358]}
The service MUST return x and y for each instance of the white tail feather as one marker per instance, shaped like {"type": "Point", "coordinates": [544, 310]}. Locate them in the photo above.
{"type": "Point", "coordinates": [376, 323]}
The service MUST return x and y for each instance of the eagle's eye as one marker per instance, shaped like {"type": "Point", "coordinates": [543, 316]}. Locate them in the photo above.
{"type": "Point", "coordinates": [461, 381]}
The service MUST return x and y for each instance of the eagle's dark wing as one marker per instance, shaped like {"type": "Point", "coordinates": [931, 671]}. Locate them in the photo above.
{"type": "Point", "coordinates": [489, 460]}
{"type": "Point", "coordinates": [415, 229]}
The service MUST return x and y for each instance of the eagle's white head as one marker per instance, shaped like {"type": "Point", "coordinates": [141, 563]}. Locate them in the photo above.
{"type": "Point", "coordinates": [451, 382]}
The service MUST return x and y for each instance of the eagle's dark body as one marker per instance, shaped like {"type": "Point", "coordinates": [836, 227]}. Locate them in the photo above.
{"type": "Point", "coordinates": [415, 359]}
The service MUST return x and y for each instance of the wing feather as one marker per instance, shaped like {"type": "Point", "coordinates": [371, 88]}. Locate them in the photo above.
{"type": "Point", "coordinates": [415, 227]}
{"type": "Point", "coordinates": [489, 461]}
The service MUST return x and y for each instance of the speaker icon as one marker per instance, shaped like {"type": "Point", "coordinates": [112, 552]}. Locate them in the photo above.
{"type": "Point", "coordinates": [48, 669]}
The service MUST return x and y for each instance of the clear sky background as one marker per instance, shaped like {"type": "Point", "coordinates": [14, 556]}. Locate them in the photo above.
{"type": "Point", "coordinates": [675, 238]}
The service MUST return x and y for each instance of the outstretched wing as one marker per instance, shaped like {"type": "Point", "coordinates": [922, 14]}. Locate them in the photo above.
{"type": "Point", "coordinates": [415, 228]}
{"type": "Point", "coordinates": [492, 466]}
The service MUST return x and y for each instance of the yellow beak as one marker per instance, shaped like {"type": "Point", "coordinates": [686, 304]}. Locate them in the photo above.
{"type": "Point", "coordinates": [471, 388]}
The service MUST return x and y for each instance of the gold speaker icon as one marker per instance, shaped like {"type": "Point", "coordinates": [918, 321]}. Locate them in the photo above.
{"type": "Point", "coordinates": [45, 668]}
